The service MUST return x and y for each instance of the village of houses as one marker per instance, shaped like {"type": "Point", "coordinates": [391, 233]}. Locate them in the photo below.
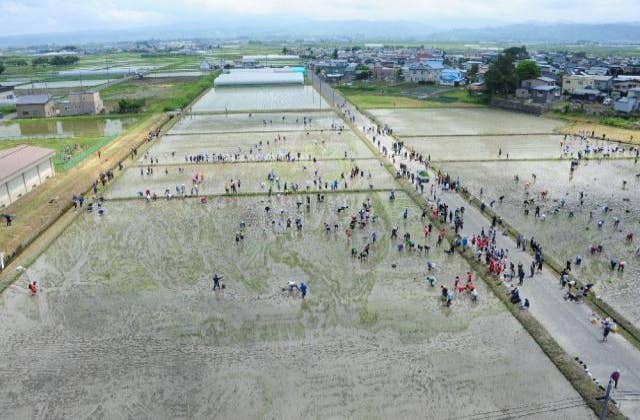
{"type": "Point", "coordinates": [610, 84]}
{"type": "Point", "coordinates": [601, 85]}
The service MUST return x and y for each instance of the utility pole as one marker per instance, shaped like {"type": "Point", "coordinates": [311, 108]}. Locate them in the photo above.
{"type": "Point", "coordinates": [605, 401]}
{"type": "Point", "coordinates": [613, 379]}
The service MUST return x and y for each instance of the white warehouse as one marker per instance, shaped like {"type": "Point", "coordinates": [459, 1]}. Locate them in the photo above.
{"type": "Point", "coordinates": [22, 169]}
{"type": "Point", "coordinates": [263, 76]}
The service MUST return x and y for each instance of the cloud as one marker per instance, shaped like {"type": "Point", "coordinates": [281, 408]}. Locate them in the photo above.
{"type": "Point", "coordinates": [38, 16]}
{"type": "Point", "coordinates": [131, 17]}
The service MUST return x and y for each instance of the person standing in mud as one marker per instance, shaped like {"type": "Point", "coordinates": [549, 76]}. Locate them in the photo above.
{"type": "Point", "coordinates": [216, 281]}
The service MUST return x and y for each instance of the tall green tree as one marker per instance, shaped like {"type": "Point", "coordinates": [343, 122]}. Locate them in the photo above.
{"type": "Point", "coordinates": [473, 71]}
{"type": "Point", "coordinates": [501, 78]}
{"type": "Point", "coordinates": [363, 72]}
{"type": "Point", "coordinates": [335, 53]}
{"type": "Point", "coordinates": [1, 68]}
{"type": "Point", "coordinates": [527, 69]}
{"type": "Point", "coordinates": [518, 53]}
{"type": "Point", "coordinates": [39, 61]}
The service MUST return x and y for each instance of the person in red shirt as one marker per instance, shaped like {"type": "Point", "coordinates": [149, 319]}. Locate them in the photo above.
{"type": "Point", "coordinates": [33, 287]}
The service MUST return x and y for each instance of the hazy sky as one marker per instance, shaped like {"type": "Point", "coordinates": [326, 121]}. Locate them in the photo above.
{"type": "Point", "coordinates": [43, 16]}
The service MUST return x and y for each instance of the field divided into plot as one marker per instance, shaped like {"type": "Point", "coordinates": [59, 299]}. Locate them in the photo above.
{"type": "Point", "coordinates": [462, 121]}
{"type": "Point", "coordinates": [128, 304]}
{"type": "Point", "coordinates": [262, 145]}
{"type": "Point", "coordinates": [459, 140]}
{"type": "Point", "coordinates": [564, 236]}
{"type": "Point", "coordinates": [127, 324]}
{"type": "Point", "coordinates": [260, 98]}
{"type": "Point", "coordinates": [262, 122]}
{"type": "Point", "coordinates": [253, 177]}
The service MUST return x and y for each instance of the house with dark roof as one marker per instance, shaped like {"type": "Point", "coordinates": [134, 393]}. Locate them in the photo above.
{"type": "Point", "coordinates": [35, 106]}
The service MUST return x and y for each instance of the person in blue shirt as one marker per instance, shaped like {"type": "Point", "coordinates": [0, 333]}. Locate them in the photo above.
{"type": "Point", "coordinates": [303, 289]}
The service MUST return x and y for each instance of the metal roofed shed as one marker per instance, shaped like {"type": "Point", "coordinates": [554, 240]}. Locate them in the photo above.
{"type": "Point", "coordinates": [263, 77]}
{"type": "Point", "coordinates": [22, 169]}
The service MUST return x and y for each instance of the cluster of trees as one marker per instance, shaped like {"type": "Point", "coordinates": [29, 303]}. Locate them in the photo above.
{"type": "Point", "coordinates": [56, 60]}
{"type": "Point", "coordinates": [11, 61]}
{"type": "Point", "coordinates": [504, 76]}
{"type": "Point", "coordinates": [363, 72]}
{"type": "Point", "coordinates": [130, 106]}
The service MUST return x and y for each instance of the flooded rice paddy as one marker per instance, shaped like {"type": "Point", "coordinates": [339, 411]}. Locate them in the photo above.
{"type": "Point", "coordinates": [462, 121]}
{"type": "Point", "coordinates": [308, 176]}
{"type": "Point", "coordinates": [260, 98]}
{"type": "Point", "coordinates": [61, 84]}
{"type": "Point", "coordinates": [72, 127]}
{"type": "Point", "coordinates": [126, 323]}
{"type": "Point", "coordinates": [523, 146]}
{"type": "Point", "coordinates": [262, 146]}
{"type": "Point", "coordinates": [263, 122]}
{"type": "Point", "coordinates": [457, 135]}
{"type": "Point", "coordinates": [564, 236]}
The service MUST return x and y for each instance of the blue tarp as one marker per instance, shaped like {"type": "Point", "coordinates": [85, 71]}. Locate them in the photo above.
{"type": "Point", "coordinates": [451, 76]}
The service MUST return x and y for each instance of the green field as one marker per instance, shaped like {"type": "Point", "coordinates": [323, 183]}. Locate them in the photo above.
{"type": "Point", "coordinates": [158, 95]}
{"type": "Point", "coordinates": [406, 95]}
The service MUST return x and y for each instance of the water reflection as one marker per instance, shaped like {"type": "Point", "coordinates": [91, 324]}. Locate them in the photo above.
{"type": "Point", "coordinates": [90, 127]}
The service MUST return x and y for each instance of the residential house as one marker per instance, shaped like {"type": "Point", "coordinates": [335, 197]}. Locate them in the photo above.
{"type": "Point", "coordinates": [82, 103]}
{"type": "Point", "coordinates": [626, 105]}
{"type": "Point", "coordinates": [35, 106]}
{"type": "Point", "coordinates": [538, 81]}
{"type": "Point", "coordinates": [542, 90]}
{"type": "Point", "coordinates": [426, 71]}
{"type": "Point", "coordinates": [630, 103]}
{"type": "Point", "coordinates": [452, 77]}
{"type": "Point", "coordinates": [571, 83]}
{"type": "Point", "coordinates": [382, 72]}
{"type": "Point", "coordinates": [470, 63]}
{"type": "Point", "coordinates": [598, 71]}
{"type": "Point", "coordinates": [623, 83]}
{"type": "Point", "coordinates": [545, 94]}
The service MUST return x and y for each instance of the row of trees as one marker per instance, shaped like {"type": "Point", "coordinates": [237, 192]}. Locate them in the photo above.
{"type": "Point", "coordinates": [504, 76]}
{"type": "Point", "coordinates": [56, 60]}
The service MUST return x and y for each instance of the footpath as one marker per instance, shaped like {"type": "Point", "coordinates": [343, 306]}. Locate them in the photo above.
{"type": "Point", "coordinates": [568, 323]}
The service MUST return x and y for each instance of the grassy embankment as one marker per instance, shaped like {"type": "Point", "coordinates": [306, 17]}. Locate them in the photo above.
{"type": "Point", "coordinates": [406, 95]}
{"type": "Point", "coordinates": [157, 95]}
{"type": "Point", "coordinates": [614, 128]}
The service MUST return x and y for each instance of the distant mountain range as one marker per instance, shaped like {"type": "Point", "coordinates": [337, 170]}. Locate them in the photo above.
{"type": "Point", "coordinates": [294, 29]}
{"type": "Point", "coordinates": [547, 33]}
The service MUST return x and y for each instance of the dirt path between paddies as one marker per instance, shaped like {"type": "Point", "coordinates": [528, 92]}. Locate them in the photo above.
{"type": "Point", "coordinates": [612, 133]}
{"type": "Point", "coordinates": [40, 208]}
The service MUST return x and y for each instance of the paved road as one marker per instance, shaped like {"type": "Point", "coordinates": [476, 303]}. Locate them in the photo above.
{"type": "Point", "coordinates": [569, 323]}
